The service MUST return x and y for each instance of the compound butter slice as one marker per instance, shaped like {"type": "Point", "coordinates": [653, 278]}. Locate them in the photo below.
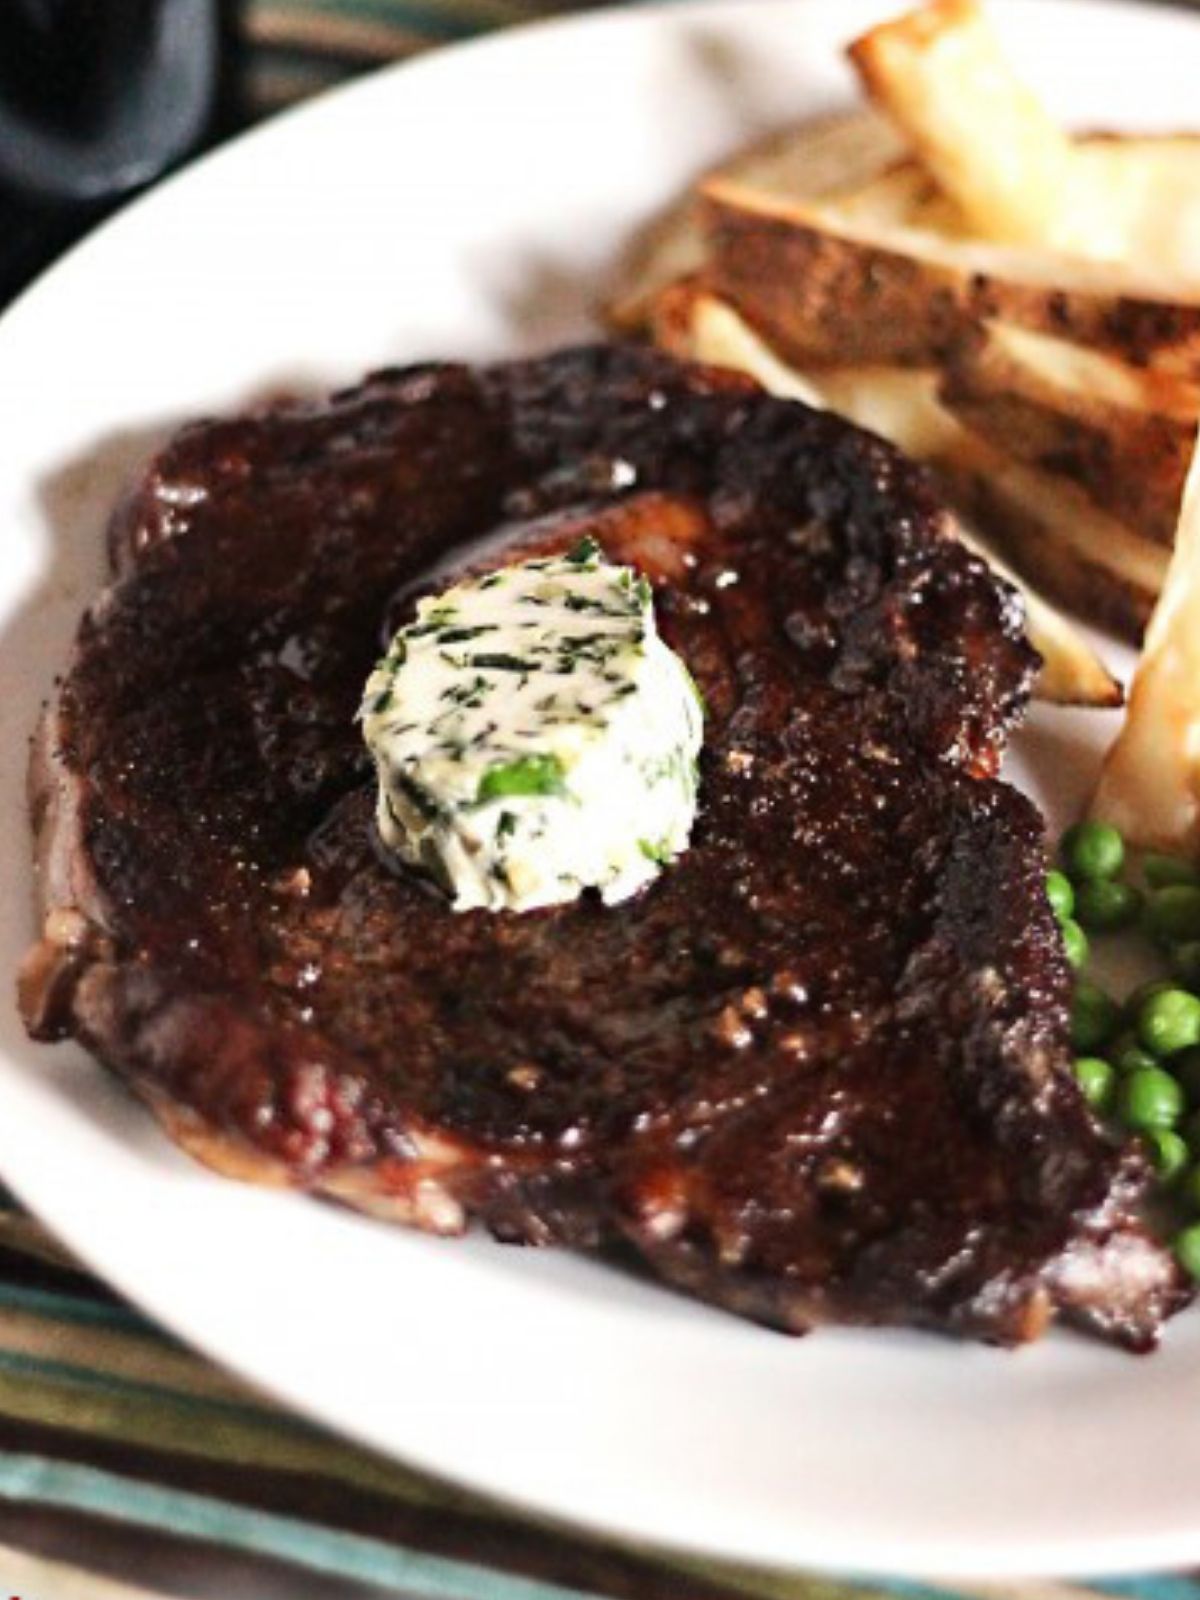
{"type": "Point", "coordinates": [535, 737]}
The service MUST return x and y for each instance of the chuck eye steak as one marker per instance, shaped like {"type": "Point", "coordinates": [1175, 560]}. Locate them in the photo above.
{"type": "Point", "coordinates": [818, 1072]}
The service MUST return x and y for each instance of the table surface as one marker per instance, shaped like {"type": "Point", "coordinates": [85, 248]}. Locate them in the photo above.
{"type": "Point", "coordinates": [131, 1469]}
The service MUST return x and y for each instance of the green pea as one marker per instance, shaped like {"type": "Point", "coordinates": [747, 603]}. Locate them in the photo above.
{"type": "Point", "coordinates": [1060, 895]}
{"type": "Point", "coordinates": [1187, 1188]}
{"type": "Point", "coordinates": [1173, 914]}
{"type": "Point", "coordinates": [1092, 850]}
{"type": "Point", "coordinates": [1137, 999]}
{"type": "Point", "coordinates": [1163, 871]}
{"type": "Point", "coordinates": [1149, 1099]}
{"type": "Point", "coordinates": [1169, 1155]}
{"type": "Point", "coordinates": [1186, 1067]}
{"type": "Point", "coordinates": [1095, 1017]}
{"type": "Point", "coordinates": [1103, 906]}
{"type": "Point", "coordinates": [1187, 1249]}
{"type": "Point", "coordinates": [1169, 1021]}
{"type": "Point", "coordinates": [1075, 943]}
{"type": "Point", "coordinates": [1096, 1079]}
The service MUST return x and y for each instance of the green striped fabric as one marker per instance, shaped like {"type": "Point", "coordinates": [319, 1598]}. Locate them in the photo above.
{"type": "Point", "coordinates": [130, 1469]}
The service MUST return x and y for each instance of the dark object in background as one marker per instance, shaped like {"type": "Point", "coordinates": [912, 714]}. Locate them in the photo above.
{"type": "Point", "coordinates": [98, 98]}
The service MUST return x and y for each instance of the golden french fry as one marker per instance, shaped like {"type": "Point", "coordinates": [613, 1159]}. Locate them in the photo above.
{"type": "Point", "coordinates": [1122, 435]}
{"type": "Point", "coordinates": [1075, 553]}
{"type": "Point", "coordinates": [940, 73]}
{"type": "Point", "coordinates": [696, 326]}
{"type": "Point", "coordinates": [1007, 169]}
{"type": "Point", "coordinates": [1146, 216]}
{"type": "Point", "coordinates": [1150, 781]}
{"type": "Point", "coordinates": [832, 290]}
{"type": "Point", "coordinates": [821, 156]}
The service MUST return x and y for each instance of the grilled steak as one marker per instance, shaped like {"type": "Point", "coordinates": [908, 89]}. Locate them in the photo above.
{"type": "Point", "coordinates": [818, 1072]}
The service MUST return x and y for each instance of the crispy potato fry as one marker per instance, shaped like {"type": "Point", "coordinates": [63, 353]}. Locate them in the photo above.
{"type": "Point", "coordinates": [696, 326]}
{"type": "Point", "coordinates": [902, 406]}
{"type": "Point", "coordinates": [1147, 216]}
{"type": "Point", "coordinates": [1076, 554]}
{"type": "Point", "coordinates": [1150, 220]}
{"type": "Point", "coordinates": [818, 157]}
{"type": "Point", "coordinates": [901, 196]}
{"type": "Point", "coordinates": [1122, 435]}
{"type": "Point", "coordinates": [979, 132]}
{"type": "Point", "coordinates": [1150, 781]}
{"type": "Point", "coordinates": [826, 289]}
{"type": "Point", "coordinates": [940, 73]}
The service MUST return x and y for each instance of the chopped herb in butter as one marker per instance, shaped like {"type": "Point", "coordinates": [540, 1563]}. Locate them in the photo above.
{"type": "Point", "coordinates": [535, 737]}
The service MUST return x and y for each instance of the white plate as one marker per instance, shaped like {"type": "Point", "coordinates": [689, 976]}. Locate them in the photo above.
{"type": "Point", "coordinates": [464, 206]}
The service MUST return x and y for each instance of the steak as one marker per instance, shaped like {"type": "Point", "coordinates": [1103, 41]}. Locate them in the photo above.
{"type": "Point", "coordinates": [818, 1072]}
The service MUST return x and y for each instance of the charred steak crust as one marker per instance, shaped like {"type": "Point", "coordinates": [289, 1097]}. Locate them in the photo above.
{"type": "Point", "coordinates": [818, 1072]}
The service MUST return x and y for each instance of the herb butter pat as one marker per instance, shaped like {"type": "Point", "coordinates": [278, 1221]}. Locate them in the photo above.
{"type": "Point", "coordinates": [535, 737]}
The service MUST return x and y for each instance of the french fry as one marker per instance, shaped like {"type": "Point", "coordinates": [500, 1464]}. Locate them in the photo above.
{"type": "Point", "coordinates": [1149, 220]}
{"type": "Point", "coordinates": [1077, 556]}
{"type": "Point", "coordinates": [1010, 172]}
{"type": "Point", "coordinates": [830, 290]}
{"type": "Point", "coordinates": [1146, 216]}
{"type": "Point", "coordinates": [1150, 782]}
{"type": "Point", "coordinates": [940, 73]}
{"type": "Point", "coordinates": [695, 326]}
{"type": "Point", "coordinates": [1122, 435]}
{"type": "Point", "coordinates": [822, 156]}
{"type": "Point", "coordinates": [901, 406]}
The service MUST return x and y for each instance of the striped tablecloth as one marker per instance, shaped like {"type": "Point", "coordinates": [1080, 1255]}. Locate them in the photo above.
{"type": "Point", "coordinates": [131, 1469]}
